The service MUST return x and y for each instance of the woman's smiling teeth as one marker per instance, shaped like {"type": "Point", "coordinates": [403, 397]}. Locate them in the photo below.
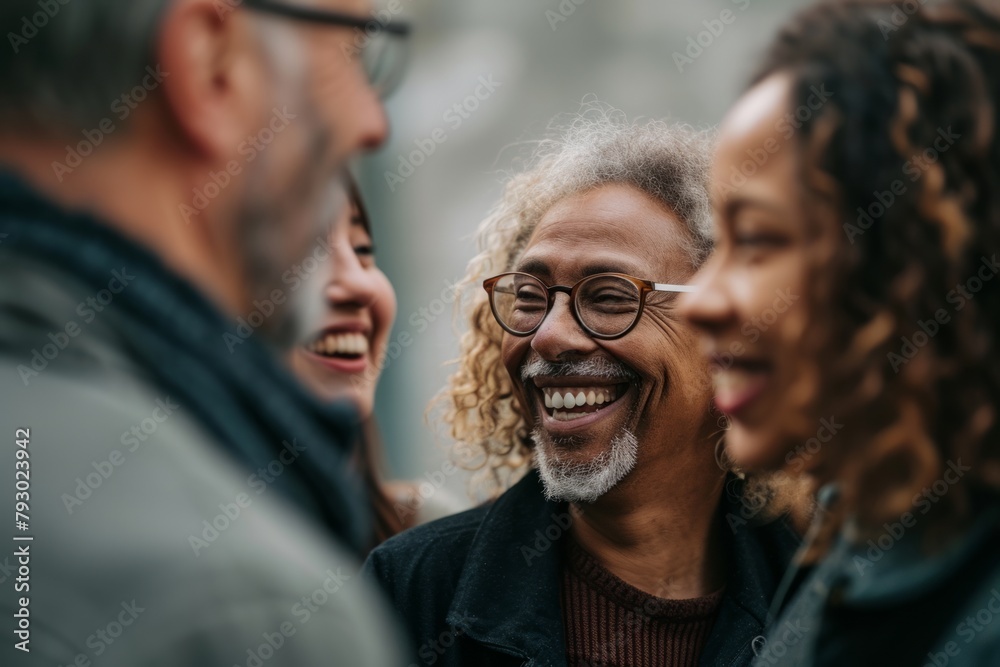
{"type": "Point", "coordinates": [569, 403]}
{"type": "Point", "coordinates": [346, 344]}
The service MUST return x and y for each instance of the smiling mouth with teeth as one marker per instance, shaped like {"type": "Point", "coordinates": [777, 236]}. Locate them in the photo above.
{"type": "Point", "coordinates": [569, 403]}
{"type": "Point", "coordinates": [343, 345]}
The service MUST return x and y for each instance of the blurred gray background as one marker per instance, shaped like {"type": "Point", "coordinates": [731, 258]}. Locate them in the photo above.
{"type": "Point", "coordinates": [680, 59]}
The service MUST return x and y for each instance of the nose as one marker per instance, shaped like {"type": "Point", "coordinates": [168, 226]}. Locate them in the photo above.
{"type": "Point", "coordinates": [351, 285]}
{"type": "Point", "coordinates": [374, 129]}
{"type": "Point", "coordinates": [709, 307]}
{"type": "Point", "coordinates": [560, 334]}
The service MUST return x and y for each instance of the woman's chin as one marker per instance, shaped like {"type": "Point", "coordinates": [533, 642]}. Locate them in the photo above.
{"type": "Point", "coordinates": [753, 449]}
{"type": "Point", "coordinates": [362, 402]}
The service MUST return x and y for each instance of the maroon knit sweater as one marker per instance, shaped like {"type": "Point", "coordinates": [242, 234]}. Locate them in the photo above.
{"type": "Point", "coordinates": [610, 623]}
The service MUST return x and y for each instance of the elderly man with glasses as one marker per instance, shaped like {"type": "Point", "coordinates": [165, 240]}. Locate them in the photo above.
{"type": "Point", "coordinates": [626, 542]}
{"type": "Point", "coordinates": [165, 166]}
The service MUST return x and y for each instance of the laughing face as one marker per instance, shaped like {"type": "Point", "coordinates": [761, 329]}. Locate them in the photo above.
{"type": "Point", "coordinates": [603, 410]}
{"type": "Point", "coordinates": [752, 302]}
{"type": "Point", "coordinates": [340, 359]}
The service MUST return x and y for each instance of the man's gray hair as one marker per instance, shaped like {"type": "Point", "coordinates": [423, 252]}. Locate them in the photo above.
{"type": "Point", "coordinates": [667, 161]}
{"type": "Point", "coordinates": [66, 61]}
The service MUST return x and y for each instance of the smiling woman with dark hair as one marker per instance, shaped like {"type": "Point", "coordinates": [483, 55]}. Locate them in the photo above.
{"type": "Point", "coordinates": [343, 360]}
{"type": "Point", "coordinates": [881, 210]}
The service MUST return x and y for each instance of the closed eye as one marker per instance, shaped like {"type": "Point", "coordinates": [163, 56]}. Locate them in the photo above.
{"type": "Point", "coordinates": [760, 240]}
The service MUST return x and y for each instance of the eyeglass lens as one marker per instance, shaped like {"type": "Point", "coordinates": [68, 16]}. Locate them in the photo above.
{"type": "Point", "coordinates": [607, 305]}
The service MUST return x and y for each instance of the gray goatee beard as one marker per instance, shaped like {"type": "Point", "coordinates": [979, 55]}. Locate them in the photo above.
{"type": "Point", "coordinates": [584, 482]}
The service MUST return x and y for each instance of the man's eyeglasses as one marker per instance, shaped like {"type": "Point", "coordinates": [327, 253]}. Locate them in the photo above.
{"type": "Point", "coordinates": [605, 305]}
{"type": "Point", "coordinates": [382, 46]}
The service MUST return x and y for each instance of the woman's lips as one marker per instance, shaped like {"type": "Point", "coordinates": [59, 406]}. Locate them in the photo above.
{"type": "Point", "coordinates": [344, 349]}
{"type": "Point", "coordinates": [340, 364]}
{"type": "Point", "coordinates": [737, 388]}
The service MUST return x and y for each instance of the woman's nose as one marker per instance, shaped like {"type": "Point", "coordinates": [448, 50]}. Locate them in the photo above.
{"type": "Point", "coordinates": [350, 283]}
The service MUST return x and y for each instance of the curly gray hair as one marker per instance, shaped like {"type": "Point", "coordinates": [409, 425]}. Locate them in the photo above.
{"type": "Point", "coordinates": [667, 161]}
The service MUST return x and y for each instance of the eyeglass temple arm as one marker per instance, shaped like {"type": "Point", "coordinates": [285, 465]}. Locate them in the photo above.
{"type": "Point", "coordinates": [665, 287]}
{"type": "Point", "coordinates": [400, 28]}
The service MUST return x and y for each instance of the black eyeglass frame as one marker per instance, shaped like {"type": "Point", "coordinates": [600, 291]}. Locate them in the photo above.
{"type": "Point", "coordinates": [643, 286]}
{"type": "Point", "coordinates": [313, 15]}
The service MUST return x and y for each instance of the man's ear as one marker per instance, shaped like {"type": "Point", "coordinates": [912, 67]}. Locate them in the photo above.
{"type": "Point", "coordinates": [215, 82]}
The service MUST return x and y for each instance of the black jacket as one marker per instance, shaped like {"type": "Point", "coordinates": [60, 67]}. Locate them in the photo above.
{"type": "Point", "coordinates": [483, 587]}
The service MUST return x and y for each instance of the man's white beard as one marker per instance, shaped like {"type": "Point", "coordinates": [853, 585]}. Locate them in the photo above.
{"type": "Point", "coordinates": [584, 482]}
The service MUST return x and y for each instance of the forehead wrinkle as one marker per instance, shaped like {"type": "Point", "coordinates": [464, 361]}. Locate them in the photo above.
{"type": "Point", "coordinates": [634, 254]}
{"type": "Point", "coordinates": [548, 255]}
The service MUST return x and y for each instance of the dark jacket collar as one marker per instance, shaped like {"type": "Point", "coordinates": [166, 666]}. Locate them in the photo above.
{"type": "Point", "coordinates": [895, 567]}
{"type": "Point", "coordinates": [508, 594]}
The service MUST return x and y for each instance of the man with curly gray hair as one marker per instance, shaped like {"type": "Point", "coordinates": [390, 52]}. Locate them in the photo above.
{"type": "Point", "coordinates": [614, 548]}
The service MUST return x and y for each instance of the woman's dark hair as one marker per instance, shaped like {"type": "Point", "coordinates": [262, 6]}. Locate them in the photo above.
{"type": "Point", "coordinates": [900, 179]}
{"type": "Point", "coordinates": [354, 197]}
{"type": "Point", "coordinates": [388, 521]}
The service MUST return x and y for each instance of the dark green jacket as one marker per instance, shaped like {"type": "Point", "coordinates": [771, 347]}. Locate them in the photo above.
{"type": "Point", "coordinates": [885, 602]}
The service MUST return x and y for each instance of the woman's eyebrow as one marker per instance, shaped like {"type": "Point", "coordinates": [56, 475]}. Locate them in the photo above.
{"type": "Point", "coordinates": [733, 206]}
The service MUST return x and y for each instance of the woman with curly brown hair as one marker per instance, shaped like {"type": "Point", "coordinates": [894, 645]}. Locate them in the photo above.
{"type": "Point", "coordinates": [860, 172]}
